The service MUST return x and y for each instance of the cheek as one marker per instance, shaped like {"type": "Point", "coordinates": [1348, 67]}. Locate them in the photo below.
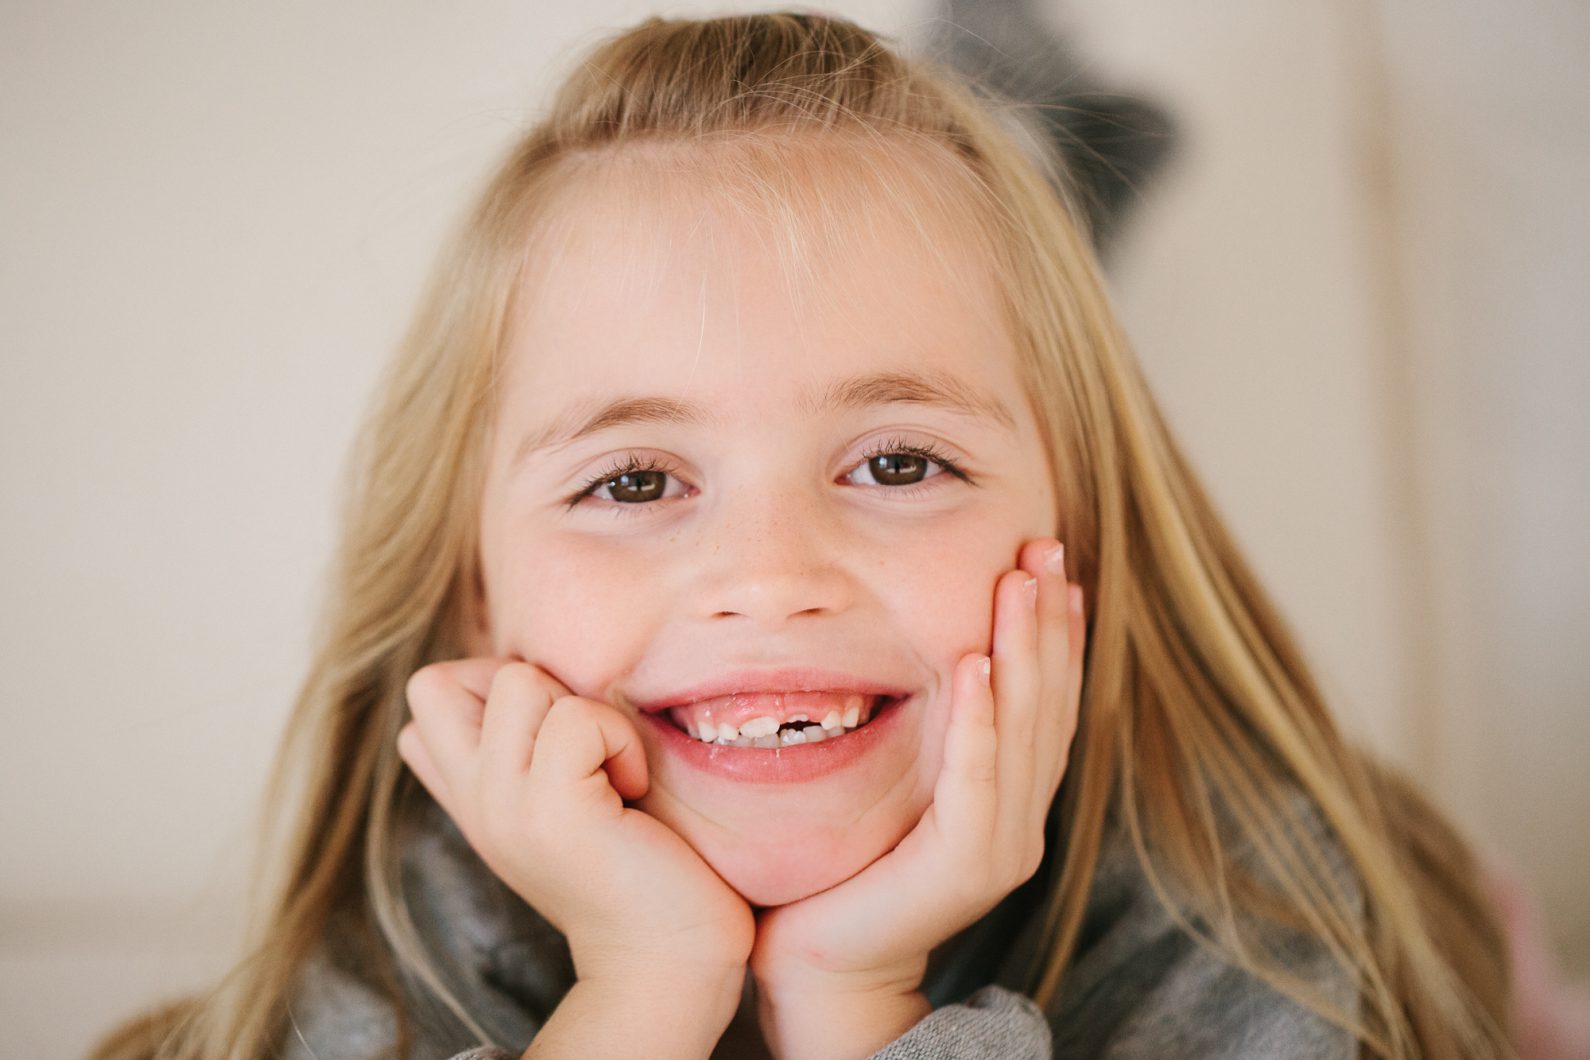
{"type": "Point", "coordinates": [574, 608]}
{"type": "Point", "coordinates": [941, 584]}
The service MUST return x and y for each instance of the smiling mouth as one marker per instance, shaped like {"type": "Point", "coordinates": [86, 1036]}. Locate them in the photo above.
{"type": "Point", "coordinates": [774, 720]}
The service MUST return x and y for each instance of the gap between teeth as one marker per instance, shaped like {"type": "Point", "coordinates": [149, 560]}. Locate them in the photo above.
{"type": "Point", "coordinates": [766, 733]}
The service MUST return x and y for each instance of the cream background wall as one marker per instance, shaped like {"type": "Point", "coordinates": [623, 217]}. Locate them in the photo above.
{"type": "Point", "coordinates": [1361, 297]}
{"type": "Point", "coordinates": [1358, 292]}
{"type": "Point", "coordinates": [1488, 229]}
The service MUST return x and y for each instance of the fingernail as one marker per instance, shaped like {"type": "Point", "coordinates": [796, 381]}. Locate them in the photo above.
{"type": "Point", "coordinates": [1029, 589]}
{"type": "Point", "coordinates": [985, 668]}
{"type": "Point", "coordinates": [1054, 561]}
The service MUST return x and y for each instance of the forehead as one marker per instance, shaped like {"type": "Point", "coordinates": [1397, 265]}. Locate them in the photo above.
{"type": "Point", "coordinates": [702, 272]}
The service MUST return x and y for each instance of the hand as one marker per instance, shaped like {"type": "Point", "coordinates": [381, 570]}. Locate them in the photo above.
{"type": "Point", "coordinates": [840, 973]}
{"type": "Point", "coordinates": [536, 779]}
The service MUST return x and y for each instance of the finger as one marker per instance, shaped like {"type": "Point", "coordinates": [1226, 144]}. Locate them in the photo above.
{"type": "Point", "coordinates": [1016, 687]}
{"type": "Point", "coordinates": [411, 748]}
{"type": "Point", "coordinates": [585, 746]}
{"type": "Point", "coordinates": [1066, 705]}
{"type": "Point", "coordinates": [966, 797]}
{"type": "Point", "coordinates": [516, 706]}
{"type": "Point", "coordinates": [1077, 643]}
{"type": "Point", "coordinates": [1045, 560]}
{"type": "Point", "coordinates": [476, 675]}
{"type": "Point", "coordinates": [447, 717]}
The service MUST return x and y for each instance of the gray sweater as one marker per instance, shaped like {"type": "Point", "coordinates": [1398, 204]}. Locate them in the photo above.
{"type": "Point", "coordinates": [1138, 987]}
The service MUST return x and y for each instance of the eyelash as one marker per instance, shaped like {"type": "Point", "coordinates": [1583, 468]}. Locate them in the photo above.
{"type": "Point", "coordinates": [632, 464]}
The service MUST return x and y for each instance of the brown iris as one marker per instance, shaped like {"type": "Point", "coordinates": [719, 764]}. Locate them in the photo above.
{"type": "Point", "coordinates": [897, 469]}
{"type": "Point", "coordinates": [637, 486]}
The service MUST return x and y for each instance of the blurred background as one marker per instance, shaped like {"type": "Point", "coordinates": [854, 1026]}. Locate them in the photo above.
{"type": "Point", "coordinates": [1357, 277]}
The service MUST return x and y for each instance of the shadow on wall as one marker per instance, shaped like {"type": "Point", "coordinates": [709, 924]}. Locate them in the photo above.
{"type": "Point", "coordinates": [1111, 142]}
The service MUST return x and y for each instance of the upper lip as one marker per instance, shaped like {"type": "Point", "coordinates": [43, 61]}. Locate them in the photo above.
{"type": "Point", "coordinates": [788, 679]}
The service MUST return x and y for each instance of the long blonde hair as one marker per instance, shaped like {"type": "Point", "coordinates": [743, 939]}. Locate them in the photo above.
{"type": "Point", "coordinates": [1202, 730]}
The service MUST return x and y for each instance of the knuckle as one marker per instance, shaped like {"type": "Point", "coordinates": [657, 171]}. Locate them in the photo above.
{"type": "Point", "coordinates": [981, 771]}
{"type": "Point", "coordinates": [549, 684]}
{"type": "Point", "coordinates": [575, 710]}
{"type": "Point", "coordinates": [560, 714]}
{"type": "Point", "coordinates": [426, 684]}
{"type": "Point", "coordinates": [408, 740]}
{"type": "Point", "coordinates": [531, 679]}
{"type": "Point", "coordinates": [512, 679]}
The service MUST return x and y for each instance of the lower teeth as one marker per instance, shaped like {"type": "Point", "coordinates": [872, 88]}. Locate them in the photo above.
{"type": "Point", "coordinates": [789, 736]}
{"type": "Point", "coordinates": [798, 730]}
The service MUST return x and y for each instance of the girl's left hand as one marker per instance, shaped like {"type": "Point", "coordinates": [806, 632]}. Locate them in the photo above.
{"type": "Point", "coordinates": [839, 974]}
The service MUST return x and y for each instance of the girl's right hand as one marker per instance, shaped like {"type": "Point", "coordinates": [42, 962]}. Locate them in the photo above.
{"type": "Point", "coordinates": [536, 779]}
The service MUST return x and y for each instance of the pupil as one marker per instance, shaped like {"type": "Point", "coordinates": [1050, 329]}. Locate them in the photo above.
{"type": "Point", "coordinates": [633, 486]}
{"type": "Point", "coordinates": [898, 469]}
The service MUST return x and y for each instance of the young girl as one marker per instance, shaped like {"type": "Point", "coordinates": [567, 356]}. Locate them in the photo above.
{"type": "Point", "coordinates": [773, 619]}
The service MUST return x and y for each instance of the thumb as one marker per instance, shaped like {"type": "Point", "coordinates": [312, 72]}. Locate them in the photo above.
{"type": "Point", "coordinates": [582, 736]}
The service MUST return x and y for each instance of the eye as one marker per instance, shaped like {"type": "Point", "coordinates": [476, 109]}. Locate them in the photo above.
{"type": "Point", "coordinates": [636, 486]}
{"type": "Point", "coordinates": [901, 464]}
{"type": "Point", "coordinates": [633, 480]}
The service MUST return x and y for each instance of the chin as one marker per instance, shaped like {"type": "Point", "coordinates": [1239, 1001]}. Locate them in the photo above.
{"type": "Point", "coordinates": [782, 881]}
{"type": "Point", "coordinates": [778, 873]}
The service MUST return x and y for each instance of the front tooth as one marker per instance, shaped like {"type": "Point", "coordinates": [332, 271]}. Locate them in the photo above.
{"type": "Point", "coordinates": [709, 731]}
{"type": "Point", "coordinates": [831, 720]}
{"type": "Point", "coordinates": [795, 718]}
{"type": "Point", "coordinates": [756, 728]}
{"type": "Point", "coordinates": [815, 733]}
{"type": "Point", "coordinates": [765, 742]}
{"type": "Point", "coordinates": [786, 737]}
{"type": "Point", "coordinates": [853, 712]}
{"type": "Point", "coordinates": [727, 733]}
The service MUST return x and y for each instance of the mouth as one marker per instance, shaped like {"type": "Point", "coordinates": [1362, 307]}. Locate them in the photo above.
{"type": "Point", "coordinates": [781, 746]}
{"type": "Point", "coordinates": [778, 726]}
{"type": "Point", "coordinates": [770, 720]}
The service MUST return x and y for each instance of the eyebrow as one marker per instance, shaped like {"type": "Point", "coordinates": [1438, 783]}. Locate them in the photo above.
{"type": "Point", "coordinates": [934, 389]}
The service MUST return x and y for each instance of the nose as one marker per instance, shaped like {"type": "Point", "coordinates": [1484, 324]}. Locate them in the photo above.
{"type": "Point", "coordinates": [771, 559]}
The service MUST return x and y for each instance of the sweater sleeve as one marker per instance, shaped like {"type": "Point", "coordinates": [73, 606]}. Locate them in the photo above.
{"type": "Point", "coordinates": [490, 949]}
{"type": "Point", "coordinates": [1165, 995]}
{"type": "Point", "coordinates": [1175, 998]}
{"type": "Point", "coordinates": [992, 1023]}
{"type": "Point", "coordinates": [1140, 986]}
{"type": "Point", "coordinates": [1172, 996]}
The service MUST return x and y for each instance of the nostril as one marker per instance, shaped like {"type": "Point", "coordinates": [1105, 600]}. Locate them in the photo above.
{"type": "Point", "coordinates": [792, 614]}
{"type": "Point", "coordinates": [769, 597]}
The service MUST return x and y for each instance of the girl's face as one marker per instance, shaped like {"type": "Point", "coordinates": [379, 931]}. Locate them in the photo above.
{"type": "Point", "coordinates": [765, 487]}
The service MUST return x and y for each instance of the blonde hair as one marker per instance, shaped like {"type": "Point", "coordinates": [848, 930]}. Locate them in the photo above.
{"type": "Point", "coordinates": [1201, 728]}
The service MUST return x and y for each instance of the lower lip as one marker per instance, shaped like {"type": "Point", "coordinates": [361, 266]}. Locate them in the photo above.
{"type": "Point", "coordinates": [795, 764]}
